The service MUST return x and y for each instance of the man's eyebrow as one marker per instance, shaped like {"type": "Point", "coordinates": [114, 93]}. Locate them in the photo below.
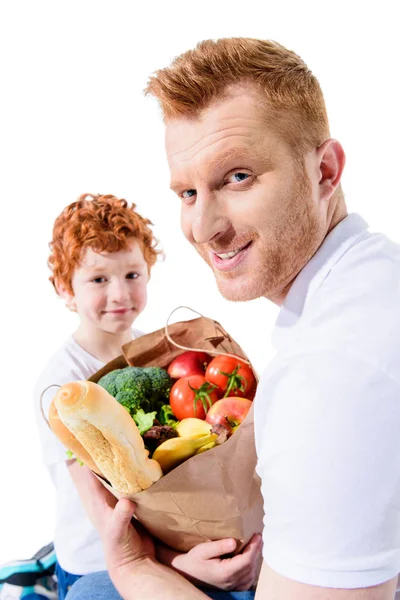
{"type": "Point", "coordinates": [176, 185]}
{"type": "Point", "coordinates": [232, 154]}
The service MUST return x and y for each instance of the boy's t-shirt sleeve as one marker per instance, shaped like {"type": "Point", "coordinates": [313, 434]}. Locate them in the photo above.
{"type": "Point", "coordinates": [329, 458]}
{"type": "Point", "coordinates": [137, 333]}
{"type": "Point", "coordinates": [70, 363]}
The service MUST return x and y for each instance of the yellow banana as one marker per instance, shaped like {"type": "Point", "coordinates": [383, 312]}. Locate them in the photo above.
{"type": "Point", "coordinates": [192, 427]}
{"type": "Point", "coordinates": [174, 451]}
{"type": "Point", "coordinates": [206, 447]}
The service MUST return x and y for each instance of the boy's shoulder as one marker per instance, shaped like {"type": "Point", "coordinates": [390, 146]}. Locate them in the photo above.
{"type": "Point", "coordinates": [137, 333]}
{"type": "Point", "coordinates": [70, 362]}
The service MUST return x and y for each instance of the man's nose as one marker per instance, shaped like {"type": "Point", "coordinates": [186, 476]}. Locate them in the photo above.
{"type": "Point", "coordinates": [209, 219]}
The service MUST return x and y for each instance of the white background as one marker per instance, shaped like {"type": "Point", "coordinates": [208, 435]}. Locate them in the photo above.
{"type": "Point", "coordinates": [73, 119]}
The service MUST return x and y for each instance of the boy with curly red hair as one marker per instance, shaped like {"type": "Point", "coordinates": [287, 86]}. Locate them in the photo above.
{"type": "Point", "coordinates": [102, 252]}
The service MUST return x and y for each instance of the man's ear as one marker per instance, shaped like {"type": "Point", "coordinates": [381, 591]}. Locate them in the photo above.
{"type": "Point", "coordinates": [66, 295]}
{"type": "Point", "coordinates": [331, 164]}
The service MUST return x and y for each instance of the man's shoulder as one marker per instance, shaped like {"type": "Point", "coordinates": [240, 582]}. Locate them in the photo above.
{"type": "Point", "coordinates": [356, 308]}
{"type": "Point", "coordinates": [368, 271]}
{"type": "Point", "coordinates": [374, 253]}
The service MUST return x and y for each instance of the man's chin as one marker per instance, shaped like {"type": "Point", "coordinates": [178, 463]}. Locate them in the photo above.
{"type": "Point", "coordinates": [239, 291]}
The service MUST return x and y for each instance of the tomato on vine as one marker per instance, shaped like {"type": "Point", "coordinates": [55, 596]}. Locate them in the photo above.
{"type": "Point", "coordinates": [192, 397]}
{"type": "Point", "coordinates": [232, 376]}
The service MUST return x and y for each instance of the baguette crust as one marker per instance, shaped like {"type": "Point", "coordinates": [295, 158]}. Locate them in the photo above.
{"type": "Point", "coordinates": [108, 433]}
{"type": "Point", "coordinates": [69, 440]}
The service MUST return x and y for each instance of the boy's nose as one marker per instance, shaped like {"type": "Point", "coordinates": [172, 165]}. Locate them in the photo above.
{"type": "Point", "coordinates": [119, 292]}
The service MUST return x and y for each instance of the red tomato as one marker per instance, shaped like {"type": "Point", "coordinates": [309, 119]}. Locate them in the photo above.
{"type": "Point", "coordinates": [232, 377]}
{"type": "Point", "coordinates": [192, 397]}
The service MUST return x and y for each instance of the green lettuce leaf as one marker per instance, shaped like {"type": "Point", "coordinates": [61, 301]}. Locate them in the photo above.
{"type": "Point", "coordinates": [166, 416]}
{"type": "Point", "coordinates": [144, 420]}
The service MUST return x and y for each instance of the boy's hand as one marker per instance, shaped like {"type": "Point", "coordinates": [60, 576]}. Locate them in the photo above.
{"type": "Point", "coordinates": [203, 563]}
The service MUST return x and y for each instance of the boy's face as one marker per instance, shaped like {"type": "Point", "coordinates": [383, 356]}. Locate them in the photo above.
{"type": "Point", "coordinates": [110, 288]}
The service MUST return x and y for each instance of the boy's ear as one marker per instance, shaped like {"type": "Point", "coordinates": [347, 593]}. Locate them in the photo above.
{"type": "Point", "coordinates": [65, 295]}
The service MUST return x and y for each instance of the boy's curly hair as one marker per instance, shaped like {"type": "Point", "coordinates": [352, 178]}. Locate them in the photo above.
{"type": "Point", "coordinates": [103, 223]}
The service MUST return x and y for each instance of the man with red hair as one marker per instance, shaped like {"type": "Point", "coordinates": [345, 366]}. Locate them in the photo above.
{"type": "Point", "coordinates": [258, 175]}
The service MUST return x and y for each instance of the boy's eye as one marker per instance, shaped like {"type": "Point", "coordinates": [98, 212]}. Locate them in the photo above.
{"type": "Point", "coordinates": [132, 275]}
{"type": "Point", "coordinates": [238, 177]}
{"type": "Point", "coordinates": [99, 280]}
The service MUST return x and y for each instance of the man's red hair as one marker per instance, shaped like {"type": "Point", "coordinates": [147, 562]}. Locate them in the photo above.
{"type": "Point", "coordinates": [289, 93]}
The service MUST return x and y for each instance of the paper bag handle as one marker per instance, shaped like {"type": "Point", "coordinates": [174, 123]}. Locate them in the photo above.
{"type": "Point", "coordinates": [41, 402]}
{"type": "Point", "coordinates": [213, 352]}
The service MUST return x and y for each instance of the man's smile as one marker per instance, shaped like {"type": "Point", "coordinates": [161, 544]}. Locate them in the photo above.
{"type": "Point", "coordinates": [225, 261]}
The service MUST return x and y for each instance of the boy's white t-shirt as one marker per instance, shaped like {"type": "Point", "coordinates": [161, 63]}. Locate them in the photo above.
{"type": "Point", "coordinates": [77, 544]}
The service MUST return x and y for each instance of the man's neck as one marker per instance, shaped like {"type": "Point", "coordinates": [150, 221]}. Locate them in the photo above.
{"type": "Point", "coordinates": [102, 345]}
{"type": "Point", "coordinates": [336, 214]}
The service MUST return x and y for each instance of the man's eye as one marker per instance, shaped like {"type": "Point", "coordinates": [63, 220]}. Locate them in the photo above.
{"type": "Point", "coordinates": [188, 194]}
{"type": "Point", "coordinates": [238, 177]}
{"type": "Point", "coordinates": [132, 275]}
{"type": "Point", "coordinates": [99, 280]}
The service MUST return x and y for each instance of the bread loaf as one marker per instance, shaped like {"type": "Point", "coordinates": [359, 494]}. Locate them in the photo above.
{"type": "Point", "coordinates": [108, 434]}
{"type": "Point", "coordinates": [69, 440]}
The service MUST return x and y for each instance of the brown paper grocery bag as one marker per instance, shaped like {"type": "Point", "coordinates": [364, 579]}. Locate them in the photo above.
{"type": "Point", "coordinates": [215, 494]}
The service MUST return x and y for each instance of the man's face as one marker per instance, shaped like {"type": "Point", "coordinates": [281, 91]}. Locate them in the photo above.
{"type": "Point", "coordinates": [248, 207]}
{"type": "Point", "coordinates": [110, 288]}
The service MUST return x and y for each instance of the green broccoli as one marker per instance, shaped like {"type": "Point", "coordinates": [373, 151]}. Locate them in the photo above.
{"type": "Point", "coordinates": [161, 384]}
{"type": "Point", "coordinates": [133, 389]}
{"type": "Point", "coordinates": [140, 389]}
{"type": "Point", "coordinates": [108, 382]}
{"type": "Point", "coordinates": [126, 377]}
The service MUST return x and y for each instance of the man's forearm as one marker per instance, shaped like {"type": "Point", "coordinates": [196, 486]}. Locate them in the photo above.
{"type": "Point", "coordinates": [150, 579]}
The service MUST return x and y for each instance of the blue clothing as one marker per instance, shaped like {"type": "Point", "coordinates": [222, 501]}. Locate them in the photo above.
{"type": "Point", "coordinates": [65, 580]}
{"type": "Point", "coordinates": [98, 586]}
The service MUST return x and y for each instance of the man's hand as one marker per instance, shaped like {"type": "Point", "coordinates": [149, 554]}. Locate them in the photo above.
{"type": "Point", "coordinates": [129, 551]}
{"type": "Point", "coordinates": [203, 564]}
{"type": "Point", "coordinates": [124, 544]}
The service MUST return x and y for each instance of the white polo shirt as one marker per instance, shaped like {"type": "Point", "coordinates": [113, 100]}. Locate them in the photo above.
{"type": "Point", "coordinates": [327, 417]}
